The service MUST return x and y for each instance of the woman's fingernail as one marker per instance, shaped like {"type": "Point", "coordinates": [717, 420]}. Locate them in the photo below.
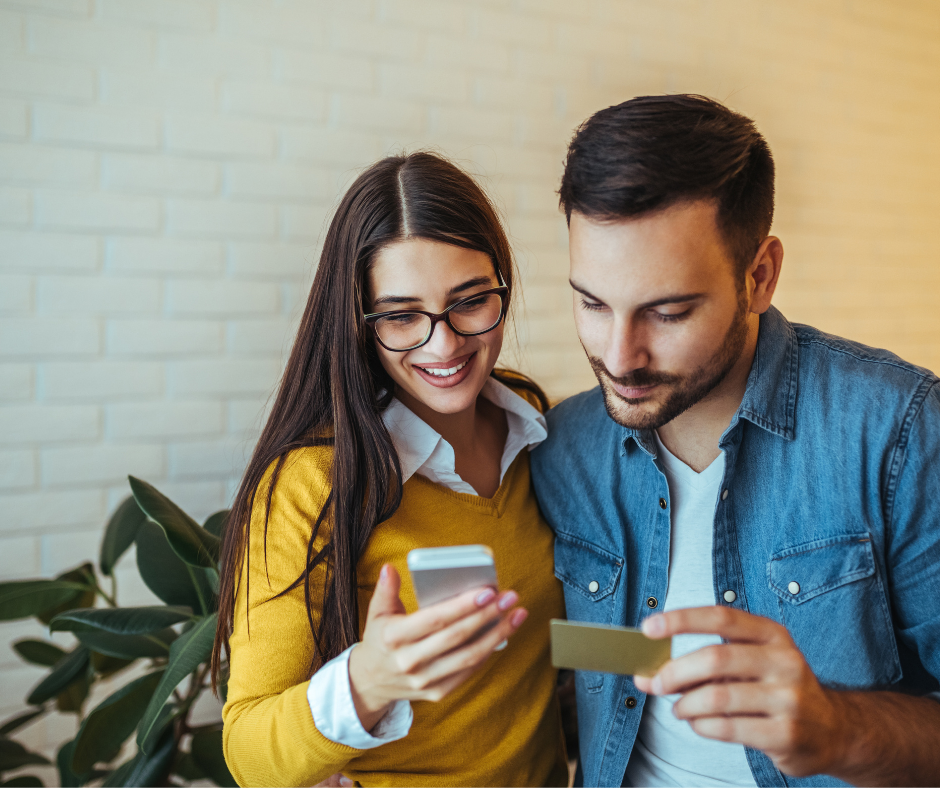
{"type": "Point", "coordinates": [657, 686]}
{"type": "Point", "coordinates": [485, 597]}
{"type": "Point", "coordinates": [519, 616]}
{"type": "Point", "coordinates": [345, 781]}
{"type": "Point", "coordinates": [383, 575]}
{"type": "Point", "coordinates": [508, 600]}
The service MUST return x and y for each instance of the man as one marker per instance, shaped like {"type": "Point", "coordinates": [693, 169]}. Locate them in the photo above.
{"type": "Point", "coordinates": [770, 490]}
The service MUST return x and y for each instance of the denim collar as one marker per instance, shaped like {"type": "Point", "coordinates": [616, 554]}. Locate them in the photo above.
{"type": "Point", "coordinates": [770, 395]}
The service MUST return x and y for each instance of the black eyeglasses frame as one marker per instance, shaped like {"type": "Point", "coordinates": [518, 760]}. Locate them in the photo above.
{"type": "Point", "coordinates": [372, 318]}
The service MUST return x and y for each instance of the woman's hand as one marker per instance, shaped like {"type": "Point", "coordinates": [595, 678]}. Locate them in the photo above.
{"type": "Point", "coordinates": [425, 655]}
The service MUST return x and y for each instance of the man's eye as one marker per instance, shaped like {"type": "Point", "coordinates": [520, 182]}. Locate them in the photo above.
{"type": "Point", "coordinates": [666, 317]}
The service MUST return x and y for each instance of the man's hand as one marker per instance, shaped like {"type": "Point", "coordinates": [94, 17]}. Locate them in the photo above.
{"type": "Point", "coordinates": [756, 690]}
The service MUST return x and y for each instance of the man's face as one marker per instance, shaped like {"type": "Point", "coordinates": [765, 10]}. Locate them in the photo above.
{"type": "Point", "coordinates": [658, 308]}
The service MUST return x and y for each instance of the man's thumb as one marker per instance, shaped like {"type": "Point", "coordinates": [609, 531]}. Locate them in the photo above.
{"type": "Point", "coordinates": [385, 601]}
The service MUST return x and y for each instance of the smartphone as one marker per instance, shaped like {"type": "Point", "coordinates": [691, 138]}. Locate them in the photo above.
{"type": "Point", "coordinates": [439, 573]}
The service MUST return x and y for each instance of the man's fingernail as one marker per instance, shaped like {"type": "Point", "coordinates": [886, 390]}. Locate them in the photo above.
{"type": "Point", "coordinates": [383, 575]}
{"type": "Point", "coordinates": [519, 616]}
{"type": "Point", "coordinates": [654, 626]}
{"type": "Point", "coordinates": [485, 597]}
{"type": "Point", "coordinates": [657, 686]}
{"type": "Point", "coordinates": [509, 599]}
{"type": "Point", "coordinates": [345, 781]}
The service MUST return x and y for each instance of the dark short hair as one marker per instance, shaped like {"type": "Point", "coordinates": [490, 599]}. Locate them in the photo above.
{"type": "Point", "coordinates": [654, 151]}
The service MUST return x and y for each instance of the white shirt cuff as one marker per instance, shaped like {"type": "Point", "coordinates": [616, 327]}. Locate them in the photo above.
{"type": "Point", "coordinates": [334, 713]}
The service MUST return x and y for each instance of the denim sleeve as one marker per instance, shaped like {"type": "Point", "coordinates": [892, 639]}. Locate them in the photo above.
{"type": "Point", "coordinates": [913, 545]}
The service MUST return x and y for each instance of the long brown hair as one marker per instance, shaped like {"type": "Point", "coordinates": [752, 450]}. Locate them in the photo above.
{"type": "Point", "coordinates": [334, 389]}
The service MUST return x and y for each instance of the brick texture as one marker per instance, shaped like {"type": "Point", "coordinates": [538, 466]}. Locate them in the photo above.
{"type": "Point", "coordinates": [168, 168]}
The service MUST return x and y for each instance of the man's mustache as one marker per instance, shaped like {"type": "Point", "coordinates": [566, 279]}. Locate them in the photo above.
{"type": "Point", "coordinates": [639, 378]}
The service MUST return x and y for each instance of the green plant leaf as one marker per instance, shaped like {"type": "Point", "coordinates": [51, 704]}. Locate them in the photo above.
{"type": "Point", "coordinates": [72, 698]}
{"type": "Point", "coordinates": [206, 748]}
{"type": "Point", "coordinates": [187, 768]}
{"type": "Point", "coordinates": [215, 524]}
{"type": "Point", "coordinates": [63, 760]}
{"type": "Point", "coordinates": [120, 620]}
{"type": "Point", "coordinates": [23, 781]}
{"type": "Point", "coordinates": [24, 598]}
{"type": "Point", "coordinates": [119, 533]}
{"type": "Point", "coordinates": [162, 726]}
{"type": "Point", "coordinates": [39, 652]}
{"type": "Point", "coordinates": [81, 574]}
{"type": "Point", "coordinates": [14, 755]}
{"type": "Point", "coordinates": [129, 646]}
{"type": "Point", "coordinates": [105, 665]}
{"type": "Point", "coordinates": [65, 671]}
{"type": "Point", "coordinates": [146, 770]}
{"type": "Point", "coordinates": [172, 580]}
{"type": "Point", "coordinates": [119, 776]}
{"type": "Point", "coordinates": [189, 540]}
{"type": "Point", "coordinates": [19, 721]}
{"type": "Point", "coordinates": [187, 653]}
{"type": "Point", "coordinates": [111, 722]}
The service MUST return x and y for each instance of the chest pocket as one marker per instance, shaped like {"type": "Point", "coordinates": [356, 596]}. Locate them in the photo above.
{"type": "Point", "coordinates": [832, 601]}
{"type": "Point", "coordinates": [589, 575]}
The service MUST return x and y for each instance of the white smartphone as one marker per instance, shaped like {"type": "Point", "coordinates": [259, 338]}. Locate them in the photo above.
{"type": "Point", "coordinates": [438, 573]}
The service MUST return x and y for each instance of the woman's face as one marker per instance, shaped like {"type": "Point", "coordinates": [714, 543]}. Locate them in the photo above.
{"type": "Point", "coordinates": [447, 373]}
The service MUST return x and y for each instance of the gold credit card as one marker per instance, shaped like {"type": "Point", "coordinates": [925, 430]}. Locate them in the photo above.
{"type": "Point", "coordinates": [607, 649]}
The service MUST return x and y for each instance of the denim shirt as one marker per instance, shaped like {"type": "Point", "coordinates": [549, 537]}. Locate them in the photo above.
{"type": "Point", "coordinates": [828, 522]}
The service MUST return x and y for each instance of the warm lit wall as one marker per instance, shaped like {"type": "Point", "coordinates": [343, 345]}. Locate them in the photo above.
{"type": "Point", "coordinates": [167, 167]}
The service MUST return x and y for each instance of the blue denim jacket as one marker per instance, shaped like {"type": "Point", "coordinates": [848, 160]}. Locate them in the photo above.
{"type": "Point", "coordinates": [831, 474]}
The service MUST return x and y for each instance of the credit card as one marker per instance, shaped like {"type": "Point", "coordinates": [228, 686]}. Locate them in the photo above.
{"type": "Point", "coordinates": [607, 649]}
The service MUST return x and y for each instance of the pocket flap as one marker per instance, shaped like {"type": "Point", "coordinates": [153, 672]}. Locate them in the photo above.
{"type": "Point", "coordinates": [587, 568]}
{"type": "Point", "coordinates": [799, 573]}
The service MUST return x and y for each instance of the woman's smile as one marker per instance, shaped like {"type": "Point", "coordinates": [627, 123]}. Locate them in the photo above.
{"type": "Point", "coordinates": [447, 373]}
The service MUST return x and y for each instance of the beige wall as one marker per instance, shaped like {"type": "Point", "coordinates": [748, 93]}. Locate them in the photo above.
{"type": "Point", "coordinates": [167, 166]}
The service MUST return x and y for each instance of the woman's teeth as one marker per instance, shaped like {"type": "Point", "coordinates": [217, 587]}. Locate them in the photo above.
{"type": "Point", "coordinates": [445, 373]}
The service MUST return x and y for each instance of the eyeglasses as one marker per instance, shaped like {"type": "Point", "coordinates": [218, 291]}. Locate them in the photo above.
{"type": "Point", "coordinates": [403, 330]}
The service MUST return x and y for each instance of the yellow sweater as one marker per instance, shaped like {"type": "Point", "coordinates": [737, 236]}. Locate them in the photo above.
{"type": "Point", "coordinates": [501, 727]}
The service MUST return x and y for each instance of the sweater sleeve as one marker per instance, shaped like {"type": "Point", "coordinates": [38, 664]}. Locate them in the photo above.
{"type": "Point", "coordinates": [269, 734]}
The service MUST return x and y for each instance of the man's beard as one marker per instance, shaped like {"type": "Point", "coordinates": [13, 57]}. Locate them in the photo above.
{"type": "Point", "coordinates": [686, 390]}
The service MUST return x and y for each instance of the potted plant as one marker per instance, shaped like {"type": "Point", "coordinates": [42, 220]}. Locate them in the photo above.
{"type": "Point", "coordinates": [178, 561]}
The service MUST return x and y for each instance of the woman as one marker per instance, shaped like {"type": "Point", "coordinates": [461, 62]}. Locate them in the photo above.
{"type": "Point", "coordinates": [390, 431]}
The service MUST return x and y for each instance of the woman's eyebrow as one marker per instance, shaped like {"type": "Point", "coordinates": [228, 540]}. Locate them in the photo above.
{"type": "Point", "coordinates": [475, 282]}
{"type": "Point", "coordinates": [396, 300]}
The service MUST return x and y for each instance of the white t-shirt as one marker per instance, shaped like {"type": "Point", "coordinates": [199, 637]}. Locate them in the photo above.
{"type": "Point", "coordinates": [667, 751]}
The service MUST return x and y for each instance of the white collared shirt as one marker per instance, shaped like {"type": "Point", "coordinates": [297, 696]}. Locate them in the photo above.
{"type": "Point", "coordinates": [422, 450]}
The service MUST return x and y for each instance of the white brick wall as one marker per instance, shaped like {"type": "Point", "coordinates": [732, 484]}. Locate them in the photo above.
{"type": "Point", "coordinates": [167, 168]}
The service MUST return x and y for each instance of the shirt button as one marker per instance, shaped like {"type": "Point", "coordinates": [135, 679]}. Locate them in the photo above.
{"type": "Point", "coordinates": [794, 587]}
{"type": "Point", "coordinates": [662, 503]}
{"type": "Point", "coordinates": [724, 495]}
{"type": "Point", "coordinates": [651, 602]}
{"type": "Point", "coordinates": [730, 596]}
{"type": "Point", "coordinates": [593, 586]}
{"type": "Point", "coordinates": [630, 702]}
